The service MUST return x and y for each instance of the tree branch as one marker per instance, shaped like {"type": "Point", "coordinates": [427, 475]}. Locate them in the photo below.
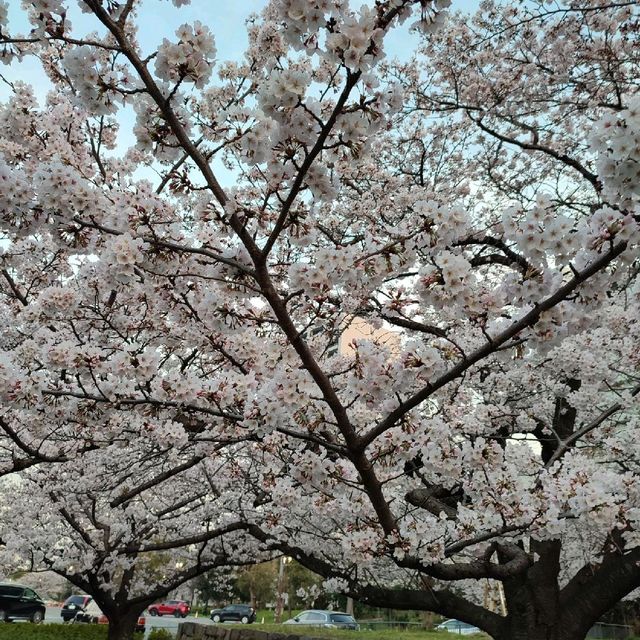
{"type": "Point", "coordinates": [526, 321]}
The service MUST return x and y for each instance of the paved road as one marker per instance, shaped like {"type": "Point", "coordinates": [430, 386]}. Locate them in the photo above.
{"type": "Point", "coordinates": [164, 622]}
{"type": "Point", "coordinates": [170, 623]}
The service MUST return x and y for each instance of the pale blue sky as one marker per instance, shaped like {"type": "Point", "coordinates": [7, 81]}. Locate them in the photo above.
{"type": "Point", "coordinates": [159, 19]}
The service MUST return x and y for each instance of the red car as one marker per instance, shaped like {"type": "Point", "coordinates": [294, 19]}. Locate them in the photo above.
{"type": "Point", "coordinates": [176, 608]}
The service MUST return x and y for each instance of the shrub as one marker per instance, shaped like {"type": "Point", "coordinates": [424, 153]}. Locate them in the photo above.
{"type": "Point", "coordinates": [62, 632]}
{"type": "Point", "coordinates": [53, 632]}
{"type": "Point", "coordinates": [160, 634]}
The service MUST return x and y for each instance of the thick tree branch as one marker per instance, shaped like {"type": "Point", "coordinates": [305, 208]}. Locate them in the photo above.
{"type": "Point", "coordinates": [528, 320]}
{"type": "Point", "coordinates": [568, 442]}
{"type": "Point", "coordinates": [155, 481]}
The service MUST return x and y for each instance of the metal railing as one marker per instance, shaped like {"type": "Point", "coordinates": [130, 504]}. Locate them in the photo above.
{"type": "Point", "coordinates": [609, 631]}
{"type": "Point", "coordinates": [389, 624]}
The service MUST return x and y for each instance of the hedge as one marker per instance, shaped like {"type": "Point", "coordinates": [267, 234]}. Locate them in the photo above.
{"type": "Point", "coordinates": [28, 631]}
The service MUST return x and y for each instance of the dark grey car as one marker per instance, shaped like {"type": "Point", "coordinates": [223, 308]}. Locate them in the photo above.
{"type": "Point", "coordinates": [234, 612]}
{"type": "Point", "coordinates": [18, 602]}
{"type": "Point", "coordinates": [325, 618]}
{"type": "Point", "coordinates": [74, 605]}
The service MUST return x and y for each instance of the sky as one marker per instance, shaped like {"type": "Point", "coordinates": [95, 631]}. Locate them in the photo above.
{"type": "Point", "coordinates": [159, 19]}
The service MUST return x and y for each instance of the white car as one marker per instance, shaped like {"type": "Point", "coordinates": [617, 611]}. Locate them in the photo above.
{"type": "Point", "coordinates": [91, 612]}
{"type": "Point", "coordinates": [94, 615]}
{"type": "Point", "coordinates": [457, 627]}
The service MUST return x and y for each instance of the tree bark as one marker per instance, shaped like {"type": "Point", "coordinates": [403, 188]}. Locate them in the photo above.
{"type": "Point", "coordinates": [533, 597]}
{"type": "Point", "coordinates": [123, 625]}
{"type": "Point", "coordinates": [537, 609]}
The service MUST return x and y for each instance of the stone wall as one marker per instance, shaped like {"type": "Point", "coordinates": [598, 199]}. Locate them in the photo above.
{"type": "Point", "coordinates": [196, 631]}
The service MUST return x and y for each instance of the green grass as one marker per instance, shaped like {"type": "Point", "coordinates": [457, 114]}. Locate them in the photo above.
{"type": "Point", "coordinates": [25, 631]}
{"type": "Point", "coordinates": [378, 634]}
{"type": "Point", "coordinates": [381, 633]}
{"type": "Point", "coordinates": [160, 634]}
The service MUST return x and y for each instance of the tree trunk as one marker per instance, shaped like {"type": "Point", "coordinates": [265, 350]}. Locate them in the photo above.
{"type": "Point", "coordinates": [536, 607]}
{"type": "Point", "coordinates": [533, 598]}
{"type": "Point", "coordinates": [563, 627]}
{"type": "Point", "coordinates": [536, 622]}
{"type": "Point", "coordinates": [349, 607]}
{"type": "Point", "coordinates": [539, 610]}
{"type": "Point", "coordinates": [123, 626]}
{"type": "Point", "coordinates": [517, 629]}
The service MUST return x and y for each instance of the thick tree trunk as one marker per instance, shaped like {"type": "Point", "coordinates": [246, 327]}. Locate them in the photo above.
{"type": "Point", "coordinates": [516, 628]}
{"type": "Point", "coordinates": [533, 598]}
{"type": "Point", "coordinates": [123, 626]}
{"type": "Point", "coordinates": [566, 626]}
{"type": "Point", "coordinates": [536, 607]}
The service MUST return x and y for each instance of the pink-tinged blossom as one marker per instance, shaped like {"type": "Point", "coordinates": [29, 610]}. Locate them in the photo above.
{"type": "Point", "coordinates": [399, 332]}
{"type": "Point", "coordinates": [190, 59]}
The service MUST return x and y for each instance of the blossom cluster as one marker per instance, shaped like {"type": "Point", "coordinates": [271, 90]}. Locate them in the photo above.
{"type": "Point", "coordinates": [616, 140]}
{"type": "Point", "coordinates": [358, 43]}
{"type": "Point", "coordinates": [63, 191]}
{"type": "Point", "coordinates": [284, 89]}
{"type": "Point", "coordinates": [124, 251]}
{"type": "Point", "coordinates": [4, 13]}
{"type": "Point", "coordinates": [96, 79]}
{"type": "Point", "coordinates": [190, 59]}
{"type": "Point", "coordinates": [152, 132]}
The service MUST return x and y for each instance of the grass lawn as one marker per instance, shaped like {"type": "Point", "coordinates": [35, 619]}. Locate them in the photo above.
{"type": "Point", "coordinates": [379, 634]}
{"type": "Point", "coordinates": [99, 632]}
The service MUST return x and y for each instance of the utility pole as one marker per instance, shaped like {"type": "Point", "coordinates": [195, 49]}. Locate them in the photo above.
{"type": "Point", "coordinates": [280, 589]}
{"type": "Point", "coordinates": [349, 608]}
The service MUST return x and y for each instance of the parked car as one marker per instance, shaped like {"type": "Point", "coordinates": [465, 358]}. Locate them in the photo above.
{"type": "Point", "coordinates": [18, 602]}
{"type": "Point", "coordinates": [457, 627]}
{"type": "Point", "coordinates": [234, 612]}
{"type": "Point", "coordinates": [72, 605]}
{"type": "Point", "coordinates": [326, 619]}
{"type": "Point", "coordinates": [93, 614]}
{"type": "Point", "coordinates": [176, 608]}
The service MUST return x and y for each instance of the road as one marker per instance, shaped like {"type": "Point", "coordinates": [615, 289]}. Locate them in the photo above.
{"type": "Point", "coordinates": [170, 623]}
{"type": "Point", "coordinates": [164, 622]}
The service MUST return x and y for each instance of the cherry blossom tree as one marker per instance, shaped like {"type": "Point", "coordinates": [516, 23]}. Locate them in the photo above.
{"type": "Point", "coordinates": [125, 525]}
{"type": "Point", "coordinates": [480, 201]}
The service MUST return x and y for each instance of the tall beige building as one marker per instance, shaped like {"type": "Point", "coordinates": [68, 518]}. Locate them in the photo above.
{"type": "Point", "coordinates": [359, 329]}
